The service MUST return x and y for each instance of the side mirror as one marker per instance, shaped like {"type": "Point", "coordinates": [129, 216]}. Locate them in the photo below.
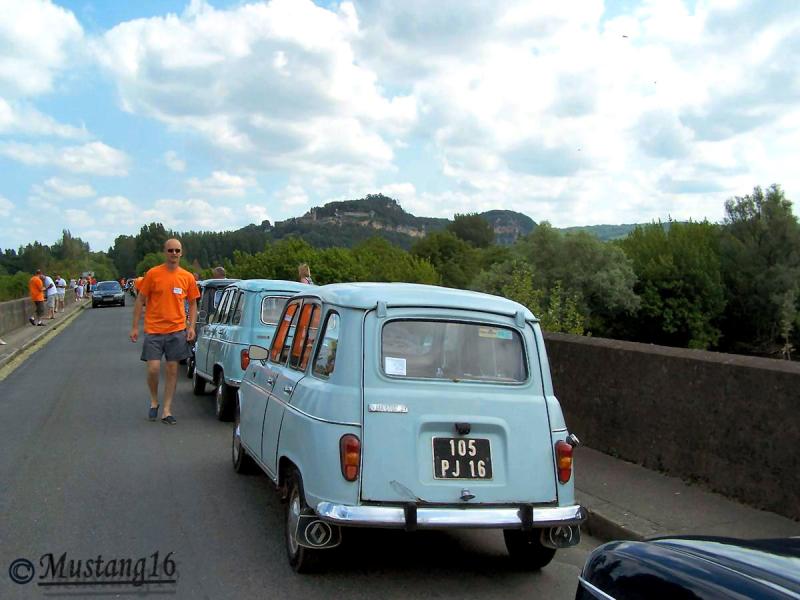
{"type": "Point", "coordinates": [258, 353]}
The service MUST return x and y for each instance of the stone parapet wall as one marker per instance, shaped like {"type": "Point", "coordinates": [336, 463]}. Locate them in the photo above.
{"type": "Point", "coordinates": [729, 422]}
{"type": "Point", "coordinates": [14, 313]}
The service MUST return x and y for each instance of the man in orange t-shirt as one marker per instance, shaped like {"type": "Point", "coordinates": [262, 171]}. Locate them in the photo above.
{"type": "Point", "coordinates": [165, 288]}
{"type": "Point", "coordinates": [36, 291]}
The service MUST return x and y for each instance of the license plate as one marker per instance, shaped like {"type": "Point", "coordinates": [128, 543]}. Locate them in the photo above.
{"type": "Point", "coordinates": [462, 458]}
{"type": "Point", "coordinates": [108, 299]}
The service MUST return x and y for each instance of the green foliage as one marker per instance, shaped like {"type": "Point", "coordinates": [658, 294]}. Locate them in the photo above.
{"type": "Point", "coordinates": [153, 259]}
{"type": "Point", "coordinates": [679, 283]}
{"type": "Point", "coordinates": [560, 313]}
{"type": "Point", "coordinates": [14, 286]}
{"type": "Point", "coordinates": [760, 252]}
{"type": "Point", "coordinates": [456, 261]}
{"type": "Point", "coordinates": [473, 229]}
{"type": "Point", "coordinates": [598, 274]}
{"type": "Point", "coordinates": [384, 262]}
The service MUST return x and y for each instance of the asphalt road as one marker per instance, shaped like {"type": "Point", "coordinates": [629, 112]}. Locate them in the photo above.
{"type": "Point", "coordinates": [84, 472]}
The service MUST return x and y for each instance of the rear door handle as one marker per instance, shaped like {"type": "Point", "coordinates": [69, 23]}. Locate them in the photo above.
{"type": "Point", "coordinates": [288, 389]}
{"type": "Point", "coordinates": [270, 381]}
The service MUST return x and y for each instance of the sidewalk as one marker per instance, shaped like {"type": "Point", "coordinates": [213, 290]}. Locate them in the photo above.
{"type": "Point", "coordinates": [626, 501]}
{"type": "Point", "coordinates": [21, 339]}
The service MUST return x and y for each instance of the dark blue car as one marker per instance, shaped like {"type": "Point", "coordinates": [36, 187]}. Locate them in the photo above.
{"type": "Point", "coordinates": [693, 567]}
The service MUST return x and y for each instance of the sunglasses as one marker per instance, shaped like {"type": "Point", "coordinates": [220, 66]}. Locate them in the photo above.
{"type": "Point", "coordinates": [174, 250]}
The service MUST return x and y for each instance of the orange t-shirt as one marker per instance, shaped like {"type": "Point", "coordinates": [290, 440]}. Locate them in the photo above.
{"type": "Point", "coordinates": [166, 291]}
{"type": "Point", "coordinates": [36, 289]}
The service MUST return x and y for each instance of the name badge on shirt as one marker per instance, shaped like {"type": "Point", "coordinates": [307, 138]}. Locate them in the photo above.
{"type": "Point", "coordinates": [177, 290]}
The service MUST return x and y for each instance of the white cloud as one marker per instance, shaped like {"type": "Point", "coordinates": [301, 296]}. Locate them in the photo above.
{"type": "Point", "coordinates": [79, 217]}
{"type": "Point", "coordinates": [38, 39]}
{"type": "Point", "coordinates": [94, 158]}
{"type": "Point", "coordinates": [292, 196]}
{"type": "Point", "coordinates": [277, 83]}
{"type": "Point", "coordinates": [192, 214]}
{"type": "Point", "coordinates": [5, 207]}
{"type": "Point", "coordinates": [256, 214]}
{"type": "Point", "coordinates": [65, 189]}
{"type": "Point", "coordinates": [23, 119]}
{"type": "Point", "coordinates": [174, 163]}
{"type": "Point", "coordinates": [221, 183]}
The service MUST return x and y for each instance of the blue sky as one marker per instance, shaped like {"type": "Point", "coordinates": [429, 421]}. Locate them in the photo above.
{"type": "Point", "coordinates": [213, 115]}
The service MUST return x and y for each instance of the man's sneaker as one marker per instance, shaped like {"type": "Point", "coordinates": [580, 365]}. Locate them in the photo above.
{"type": "Point", "coordinates": [31, 320]}
{"type": "Point", "coordinates": [170, 420]}
{"type": "Point", "coordinates": [153, 413]}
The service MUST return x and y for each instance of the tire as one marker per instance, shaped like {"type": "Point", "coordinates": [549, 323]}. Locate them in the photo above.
{"type": "Point", "coordinates": [302, 560]}
{"type": "Point", "coordinates": [94, 305]}
{"type": "Point", "coordinates": [190, 367]}
{"type": "Point", "coordinates": [242, 461]}
{"type": "Point", "coordinates": [122, 303]}
{"type": "Point", "coordinates": [224, 400]}
{"type": "Point", "coordinates": [526, 550]}
{"type": "Point", "coordinates": [198, 384]}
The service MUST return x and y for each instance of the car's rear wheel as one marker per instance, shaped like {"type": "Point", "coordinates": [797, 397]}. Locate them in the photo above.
{"type": "Point", "coordinates": [198, 384]}
{"type": "Point", "coordinates": [301, 559]}
{"type": "Point", "coordinates": [526, 549]}
{"type": "Point", "coordinates": [242, 462]}
{"type": "Point", "coordinates": [224, 400]}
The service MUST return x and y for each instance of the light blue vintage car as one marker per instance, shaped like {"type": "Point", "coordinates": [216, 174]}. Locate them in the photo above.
{"type": "Point", "coordinates": [246, 313]}
{"type": "Point", "coordinates": [409, 406]}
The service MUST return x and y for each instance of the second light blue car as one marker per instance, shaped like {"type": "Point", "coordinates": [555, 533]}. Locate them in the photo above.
{"type": "Point", "coordinates": [246, 314]}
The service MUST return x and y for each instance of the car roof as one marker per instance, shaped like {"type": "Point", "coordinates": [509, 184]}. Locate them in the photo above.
{"type": "Point", "coordinates": [214, 283]}
{"type": "Point", "coordinates": [272, 285]}
{"type": "Point", "coordinates": [368, 295]}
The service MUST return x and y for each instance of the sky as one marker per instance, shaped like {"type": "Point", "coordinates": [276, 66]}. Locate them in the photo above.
{"type": "Point", "coordinates": [213, 115]}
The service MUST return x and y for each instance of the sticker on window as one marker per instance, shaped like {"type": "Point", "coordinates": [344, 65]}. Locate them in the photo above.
{"type": "Point", "coordinates": [394, 366]}
{"type": "Point", "coordinates": [495, 333]}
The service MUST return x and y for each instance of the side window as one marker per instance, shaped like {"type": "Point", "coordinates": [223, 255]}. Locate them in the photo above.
{"type": "Point", "coordinates": [271, 309]}
{"type": "Point", "coordinates": [237, 312]}
{"type": "Point", "coordinates": [289, 337]}
{"type": "Point", "coordinates": [222, 307]}
{"type": "Point", "coordinates": [283, 332]}
{"type": "Point", "coordinates": [325, 360]}
{"type": "Point", "coordinates": [304, 336]}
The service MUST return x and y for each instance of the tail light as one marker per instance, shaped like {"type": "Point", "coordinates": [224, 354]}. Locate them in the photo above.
{"type": "Point", "coordinates": [350, 456]}
{"type": "Point", "coordinates": [244, 359]}
{"type": "Point", "coordinates": [564, 461]}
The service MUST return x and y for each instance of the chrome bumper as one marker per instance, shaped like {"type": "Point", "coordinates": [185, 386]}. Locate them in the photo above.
{"type": "Point", "coordinates": [424, 517]}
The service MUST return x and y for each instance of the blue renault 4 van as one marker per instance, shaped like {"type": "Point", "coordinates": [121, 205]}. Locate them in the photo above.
{"type": "Point", "coordinates": [409, 406]}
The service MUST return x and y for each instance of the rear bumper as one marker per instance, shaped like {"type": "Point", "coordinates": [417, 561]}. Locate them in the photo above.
{"type": "Point", "coordinates": [423, 517]}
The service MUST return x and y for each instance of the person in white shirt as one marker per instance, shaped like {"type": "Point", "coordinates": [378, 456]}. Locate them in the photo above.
{"type": "Point", "coordinates": [61, 289]}
{"type": "Point", "coordinates": [51, 293]}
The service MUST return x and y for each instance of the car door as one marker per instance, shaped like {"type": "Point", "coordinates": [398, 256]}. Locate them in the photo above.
{"type": "Point", "coordinates": [284, 382]}
{"type": "Point", "coordinates": [254, 393]}
{"type": "Point", "coordinates": [224, 336]}
{"type": "Point", "coordinates": [213, 339]}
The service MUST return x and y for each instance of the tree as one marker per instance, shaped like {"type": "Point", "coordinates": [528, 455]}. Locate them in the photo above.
{"type": "Point", "coordinates": [679, 284]}
{"type": "Point", "coordinates": [760, 257]}
{"type": "Point", "coordinates": [456, 261]}
{"type": "Point", "coordinates": [384, 262]}
{"type": "Point", "coordinates": [473, 229]}
{"type": "Point", "coordinates": [596, 273]}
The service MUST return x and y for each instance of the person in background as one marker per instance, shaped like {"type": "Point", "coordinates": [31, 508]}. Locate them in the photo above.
{"type": "Point", "coordinates": [304, 273]}
{"type": "Point", "coordinates": [166, 333]}
{"type": "Point", "coordinates": [36, 291]}
{"type": "Point", "coordinates": [51, 293]}
{"type": "Point", "coordinates": [61, 292]}
{"type": "Point", "coordinates": [218, 273]}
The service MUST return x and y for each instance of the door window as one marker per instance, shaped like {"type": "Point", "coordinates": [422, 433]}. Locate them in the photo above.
{"type": "Point", "coordinates": [305, 334]}
{"type": "Point", "coordinates": [282, 336]}
{"type": "Point", "coordinates": [236, 317]}
{"type": "Point", "coordinates": [325, 361]}
{"type": "Point", "coordinates": [222, 311]}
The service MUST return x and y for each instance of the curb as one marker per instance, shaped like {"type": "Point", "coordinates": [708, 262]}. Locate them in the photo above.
{"type": "Point", "coordinates": [605, 528]}
{"type": "Point", "coordinates": [35, 339]}
{"type": "Point", "coordinates": [607, 521]}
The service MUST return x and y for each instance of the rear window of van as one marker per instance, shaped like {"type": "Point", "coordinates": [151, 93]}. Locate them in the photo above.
{"type": "Point", "coordinates": [452, 350]}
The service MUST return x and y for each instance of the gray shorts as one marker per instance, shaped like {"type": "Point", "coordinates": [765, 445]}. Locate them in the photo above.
{"type": "Point", "coordinates": [39, 308]}
{"type": "Point", "coordinates": [51, 301]}
{"type": "Point", "coordinates": [172, 346]}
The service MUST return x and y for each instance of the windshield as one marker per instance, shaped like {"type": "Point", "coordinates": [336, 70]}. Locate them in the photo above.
{"type": "Point", "coordinates": [108, 286]}
{"type": "Point", "coordinates": [459, 351]}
